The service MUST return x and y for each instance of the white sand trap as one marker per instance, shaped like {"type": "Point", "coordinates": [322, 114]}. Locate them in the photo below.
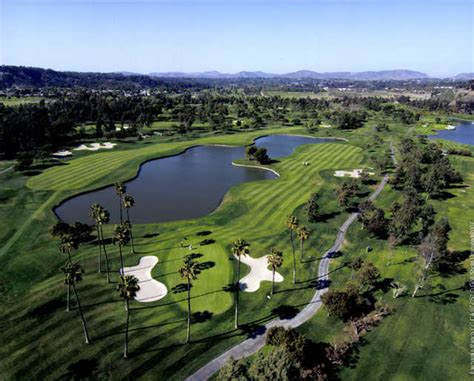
{"type": "Point", "coordinates": [95, 146]}
{"type": "Point", "coordinates": [355, 173]}
{"type": "Point", "coordinates": [62, 153]}
{"type": "Point", "coordinates": [258, 272]}
{"type": "Point", "coordinates": [150, 289]}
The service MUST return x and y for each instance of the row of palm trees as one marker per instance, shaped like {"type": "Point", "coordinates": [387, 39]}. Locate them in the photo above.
{"type": "Point", "coordinates": [128, 284]}
{"type": "Point", "coordinates": [241, 248]}
{"type": "Point", "coordinates": [302, 233]}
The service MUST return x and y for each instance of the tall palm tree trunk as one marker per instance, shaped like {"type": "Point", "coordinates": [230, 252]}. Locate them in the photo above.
{"type": "Point", "coordinates": [273, 280]}
{"type": "Point", "coordinates": [68, 295]}
{"type": "Point", "coordinates": [84, 325]}
{"type": "Point", "coordinates": [105, 253]}
{"type": "Point", "coordinates": [125, 350]}
{"type": "Point", "coordinates": [121, 260]}
{"type": "Point", "coordinates": [237, 290]}
{"type": "Point", "coordinates": [100, 248]}
{"type": "Point", "coordinates": [294, 258]}
{"type": "Point", "coordinates": [68, 302]}
{"type": "Point", "coordinates": [131, 234]}
{"type": "Point", "coordinates": [188, 335]}
{"type": "Point", "coordinates": [121, 213]}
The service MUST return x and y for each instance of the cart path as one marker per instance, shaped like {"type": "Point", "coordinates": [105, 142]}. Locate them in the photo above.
{"type": "Point", "coordinates": [252, 345]}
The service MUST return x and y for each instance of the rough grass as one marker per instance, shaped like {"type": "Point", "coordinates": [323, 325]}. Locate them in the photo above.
{"type": "Point", "coordinates": [254, 211]}
{"type": "Point", "coordinates": [427, 337]}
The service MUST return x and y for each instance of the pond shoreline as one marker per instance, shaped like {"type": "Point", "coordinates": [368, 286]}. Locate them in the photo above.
{"type": "Point", "coordinates": [141, 165]}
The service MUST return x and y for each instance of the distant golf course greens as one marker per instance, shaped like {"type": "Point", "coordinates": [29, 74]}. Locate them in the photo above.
{"type": "Point", "coordinates": [412, 344]}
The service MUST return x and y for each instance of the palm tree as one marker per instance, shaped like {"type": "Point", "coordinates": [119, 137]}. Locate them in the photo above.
{"type": "Point", "coordinates": [127, 288]}
{"type": "Point", "coordinates": [103, 217]}
{"type": "Point", "coordinates": [121, 238]}
{"type": "Point", "coordinates": [128, 202]}
{"type": "Point", "coordinates": [94, 214]}
{"type": "Point", "coordinates": [66, 246]}
{"type": "Point", "coordinates": [275, 260]}
{"type": "Point", "coordinates": [120, 190]}
{"type": "Point", "coordinates": [303, 235]}
{"type": "Point", "coordinates": [189, 271]}
{"type": "Point", "coordinates": [239, 248]}
{"type": "Point", "coordinates": [72, 275]}
{"type": "Point", "coordinates": [292, 225]}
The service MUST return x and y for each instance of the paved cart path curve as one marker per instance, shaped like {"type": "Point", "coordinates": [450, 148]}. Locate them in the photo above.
{"type": "Point", "coordinates": [252, 345]}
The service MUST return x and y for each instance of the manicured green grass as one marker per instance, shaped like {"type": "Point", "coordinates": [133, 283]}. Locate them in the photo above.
{"type": "Point", "coordinates": [254, 211]}
{"type": "Point", "coordinates": [427, 337]}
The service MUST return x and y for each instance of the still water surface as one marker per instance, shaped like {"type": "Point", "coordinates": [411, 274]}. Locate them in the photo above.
{"type": "Point", "coordinates": [189, 185]}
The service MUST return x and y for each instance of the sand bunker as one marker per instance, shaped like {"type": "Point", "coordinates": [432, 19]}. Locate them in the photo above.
{"type": "Point", "coordinates": [355, 173]}
{"type": "Point", "coordinates": [95, 146]}
{"type": "Point", "coordinates": [258, 272]}
{"type": "Point", "coordinates": [62, 153]}
{"type": "Point", "coordinates": [150, 289]}
{"type": "Point", "coordinates": [120, 128]}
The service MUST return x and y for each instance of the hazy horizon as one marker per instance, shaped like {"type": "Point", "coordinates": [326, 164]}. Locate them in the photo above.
{"type": "Point", "coordinates": [433, 37]}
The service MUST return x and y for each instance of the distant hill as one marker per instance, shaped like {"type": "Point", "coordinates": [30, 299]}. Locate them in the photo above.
{"type": "Point", "coordinates": [37, 77]}
{"type": "Point", "coordinates": [464, 76]}
{"type": "Point", "coordinates": [303, 74]}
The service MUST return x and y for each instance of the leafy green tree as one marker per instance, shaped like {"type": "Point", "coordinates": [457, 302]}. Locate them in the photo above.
{"type": "Point", "coordinates": [128, 287]}
{"type": "Point", "coordinates": [278, 364]}
{"type": "Point", "coordinates": [355, 265]}
{"type": "Point", "coordinates": [313, 209]}
{"type": "Point", "coordinates": [261, 156]}
{"type": "Point", "coordinates": [373, 219]}
{"type": "Point", "coordinates": [233, 370]}
{"type": "Point", "coordinates": [189, 272]}
{"type": "Point", "coordinates": [251, 151]}
{"type": "Point", "coordinates": [128, 203]}
{"type": "Point", "coordinates": [239, 249]}
{"type": "Point", "coordinates": [275, 260]}
{"type": "Point", "coordinates": [427, 216]}
{"type": "Point", "coordinates": [303, 235]}
{"type": "Point", "coordinates": [349, 120]}
{"type": "Point", "coordinates": [292, 226]}
{"type": "Point", "coordinates": [59, 229]}
{"type": "Point", "coordinates": [345, 192]}
{"type": "Point", "coordinates": [367, 276]}
{"type": "Point", "coordinates": [73, 275]}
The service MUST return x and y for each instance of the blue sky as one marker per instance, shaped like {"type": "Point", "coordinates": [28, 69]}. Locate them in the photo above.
{"type": "Point", "coordinates": [432, 36]}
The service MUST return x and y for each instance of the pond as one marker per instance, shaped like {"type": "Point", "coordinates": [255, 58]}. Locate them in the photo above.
{"type": "Point", "coordinates": [189, 185]}
{"type": "Point", "coordinates": [464, 133]}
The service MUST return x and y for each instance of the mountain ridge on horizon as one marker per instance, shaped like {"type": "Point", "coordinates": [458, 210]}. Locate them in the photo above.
{"type": "Point", "coordinates": [397, 74]}
{"type": "Point", "coordinates": [31, 76]}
